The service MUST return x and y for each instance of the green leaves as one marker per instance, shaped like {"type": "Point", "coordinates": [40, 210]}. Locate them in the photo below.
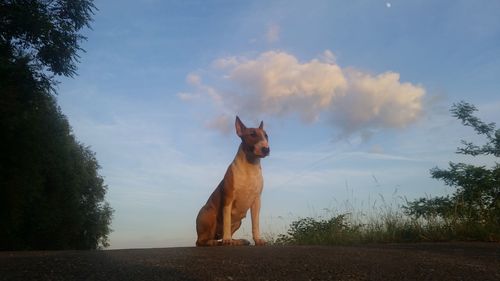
{"type": "Point", "coordinates": [51, 193]}
{"type": "Point", "coordinates": [51, 196]}
{"type": "Point", "coordinates": [476, 200]}
{"type": "Point", "coordinates": [463, 111]}
{"type": "Point", "coordinates": [46, 32]}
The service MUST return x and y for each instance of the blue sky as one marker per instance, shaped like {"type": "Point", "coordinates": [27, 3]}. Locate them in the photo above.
{"type": "Point", "coordinates": [354, 96]}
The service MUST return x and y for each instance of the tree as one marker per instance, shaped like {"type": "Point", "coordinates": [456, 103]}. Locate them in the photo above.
{"type": "Point", "coordinates": [45, 33]}
{"type": "Point", "coordinates": [51, 194]}
{"type": "Point", "coordinates": [476, 200]}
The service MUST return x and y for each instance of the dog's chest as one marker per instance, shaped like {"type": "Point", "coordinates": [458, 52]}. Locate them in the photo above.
{"type": "Point", "coordinates": [247, 186]}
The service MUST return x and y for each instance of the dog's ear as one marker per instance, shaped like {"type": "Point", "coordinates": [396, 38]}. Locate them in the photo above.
{"type": "Point", "coordinates": [261, 126]}
{"type": "Point", "coordinates": [240, 127]}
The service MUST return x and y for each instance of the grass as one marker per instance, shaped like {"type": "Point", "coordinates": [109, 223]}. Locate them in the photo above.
{"type": "Point", "coordinates": [386, 223]}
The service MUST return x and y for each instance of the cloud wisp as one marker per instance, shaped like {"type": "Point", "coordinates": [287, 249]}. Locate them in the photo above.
{"type": "Point", "coordinates": [273, 33]}
{"type": "Point", "coordinates": [277, 84]}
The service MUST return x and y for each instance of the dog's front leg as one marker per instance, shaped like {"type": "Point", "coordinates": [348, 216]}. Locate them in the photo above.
{"type": "Point", "coordinates": [226, 223]}
{"type": "Point", "coordinates": [255, 210]}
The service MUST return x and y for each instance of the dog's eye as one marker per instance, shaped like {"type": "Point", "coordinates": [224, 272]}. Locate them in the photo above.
{"type": "Point", "coordinates": [266, 136]}
{"type": "Point", "coordinates": [253, 134]}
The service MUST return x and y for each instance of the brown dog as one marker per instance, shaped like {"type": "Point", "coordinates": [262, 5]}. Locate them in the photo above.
{"type": "Point", "coordinates": [239, 191]}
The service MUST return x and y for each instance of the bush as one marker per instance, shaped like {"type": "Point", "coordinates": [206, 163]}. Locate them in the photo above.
{"type": "Point", "coordinates": [310, 231]}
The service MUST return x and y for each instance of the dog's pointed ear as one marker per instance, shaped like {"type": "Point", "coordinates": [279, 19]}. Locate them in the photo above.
{"type": "Point", "coordinates": [240, 127]}
{"type": "Point", "coordinates": [261, 126]}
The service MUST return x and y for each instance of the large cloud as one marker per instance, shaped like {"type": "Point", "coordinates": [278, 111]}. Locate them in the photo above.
{"type": "Point", "coordinates": [277, 84]}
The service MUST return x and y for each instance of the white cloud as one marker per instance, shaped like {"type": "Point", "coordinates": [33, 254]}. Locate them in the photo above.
{"type": "Point", "coordinates": [276, 83]}
{"type": "Point", "coordinates": [380, 101]}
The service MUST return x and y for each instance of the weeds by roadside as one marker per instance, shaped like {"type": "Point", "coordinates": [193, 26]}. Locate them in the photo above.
{"type": "Point", "coordinates": [472, 212]}
{"type": "Point", "coordinates": [384, 224]}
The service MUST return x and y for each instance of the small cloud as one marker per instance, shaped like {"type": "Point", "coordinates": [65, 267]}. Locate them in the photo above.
{"type": "Point", "coordinates": [225, 62]}
{"type": "Point", "coordinates": [328, 56]}
{"type": "Point", "coordinates": [366, 135]}
{"type": "Point", "coordinates": [377, 149]}
{"type": "Point", "coordinates": [193, 79]}
{"type": "Point", "coordinates": [273, 33]}
{"type": "Point", "coordinates": [388, 4]}
{"type": "Point", "coordinates": [202, 89]}
{"type": "Point", "coordinates": [222, 123]}
{"type": "Point", "coordinates": [187, 96]}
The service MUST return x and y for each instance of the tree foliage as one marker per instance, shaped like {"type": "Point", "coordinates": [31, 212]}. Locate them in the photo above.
{"type": "Point", "coordinates": [51, 194]}
{"type": "Point", "coordinates": [45, 32]}
{"type": "Point", "coordinates": [476, 199]}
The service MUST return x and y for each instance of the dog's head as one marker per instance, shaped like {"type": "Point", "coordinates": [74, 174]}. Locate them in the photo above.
{"type": "Point", "coordinates": [254, 140]}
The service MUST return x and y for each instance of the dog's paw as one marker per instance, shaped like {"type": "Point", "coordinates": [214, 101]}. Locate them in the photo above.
{"type": "Point", "coordinates": [259, 242]}
{"type": "Point", "coordinates": [242, 242]}
{"type": "Point", "coordinates": [235, 242]}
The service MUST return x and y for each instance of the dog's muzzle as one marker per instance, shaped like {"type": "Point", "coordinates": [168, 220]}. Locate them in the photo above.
{"type": "Point", "coordinates": [265, 151]}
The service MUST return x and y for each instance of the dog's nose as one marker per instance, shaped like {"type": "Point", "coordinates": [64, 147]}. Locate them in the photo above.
{"type": "Point", "coordinates": [265, 150]}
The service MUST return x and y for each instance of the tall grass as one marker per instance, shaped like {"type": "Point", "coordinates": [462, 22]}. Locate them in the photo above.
{"type": "Point", "coordinates": [383, 223]}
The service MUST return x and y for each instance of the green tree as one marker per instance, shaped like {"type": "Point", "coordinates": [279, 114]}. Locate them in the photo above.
{"type": "Point", "coordinates": [45, 33]}
{"type": "Point", "coordinates": [476, 200]}
{"type": "Point", "coordinates": [51, 194]}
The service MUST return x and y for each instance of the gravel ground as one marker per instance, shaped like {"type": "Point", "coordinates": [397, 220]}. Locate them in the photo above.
{"type": "Point", "coordinates": [423, 261]}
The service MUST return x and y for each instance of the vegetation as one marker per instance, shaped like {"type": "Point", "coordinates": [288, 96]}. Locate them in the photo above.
{"type": "Point", "coordinates": [472, 212]}
{"type": "Point", "coordinates": [475, 204]}
{"type": "Point", "coordinates": [51, 194]}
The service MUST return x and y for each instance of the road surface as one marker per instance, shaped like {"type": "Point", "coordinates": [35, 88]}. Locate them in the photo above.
{"type": "Point", "coordinates": [424, 261]}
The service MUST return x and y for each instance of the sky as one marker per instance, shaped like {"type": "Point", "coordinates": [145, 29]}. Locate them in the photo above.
{"type": "Point", "coordinates": [354, 95]}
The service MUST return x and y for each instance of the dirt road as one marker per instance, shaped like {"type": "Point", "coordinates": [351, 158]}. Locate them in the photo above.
{"type": "Point", "coordinates": [437, 261]}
